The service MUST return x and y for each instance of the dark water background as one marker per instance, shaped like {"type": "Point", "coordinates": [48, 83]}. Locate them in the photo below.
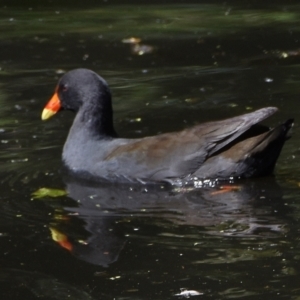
{"type": "Point", "coordinates": [206, 60]}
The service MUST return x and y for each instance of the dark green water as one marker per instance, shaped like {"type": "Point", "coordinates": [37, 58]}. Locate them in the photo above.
{"type": "Point", "coordinates": [206, 61]}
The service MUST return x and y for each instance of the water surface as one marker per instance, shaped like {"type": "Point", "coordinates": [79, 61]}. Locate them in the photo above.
{"type": "Point", "coordinates": [203, 61]}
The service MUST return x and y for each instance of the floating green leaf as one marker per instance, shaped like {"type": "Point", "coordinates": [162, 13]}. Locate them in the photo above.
{"type": "Point", "coordinates": [46, 192]}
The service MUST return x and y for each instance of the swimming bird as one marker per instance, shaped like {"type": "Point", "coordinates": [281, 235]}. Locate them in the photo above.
{"type": "Point", "coordinates": [237, 147]}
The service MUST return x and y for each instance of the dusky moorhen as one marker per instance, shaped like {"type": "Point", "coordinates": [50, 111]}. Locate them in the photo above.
{"type": "Point", "coordinates": [236, 147]}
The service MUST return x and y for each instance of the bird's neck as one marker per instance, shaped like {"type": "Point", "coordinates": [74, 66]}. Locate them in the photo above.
{"type": "Point", "coordinates": [97, 119]}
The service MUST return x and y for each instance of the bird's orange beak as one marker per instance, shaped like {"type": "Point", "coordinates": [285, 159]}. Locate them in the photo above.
{"type": "Point", "coordinates": [52, 107]}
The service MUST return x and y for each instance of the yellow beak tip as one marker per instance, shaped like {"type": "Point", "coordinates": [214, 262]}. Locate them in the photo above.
{"type": "Point", "coordinates": [47, 113]}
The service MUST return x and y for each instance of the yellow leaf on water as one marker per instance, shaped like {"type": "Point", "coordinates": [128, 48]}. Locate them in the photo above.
{"type": "Point", "coordinates": [46, 192]}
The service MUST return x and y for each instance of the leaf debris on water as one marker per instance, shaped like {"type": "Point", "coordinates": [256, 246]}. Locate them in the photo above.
{"type": "Point", "coordinates": [47, 192]}
{"type": "Point", "coordinates": [188, 293]}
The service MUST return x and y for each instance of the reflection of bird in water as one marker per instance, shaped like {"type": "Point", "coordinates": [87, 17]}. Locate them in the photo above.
{"type": "Point", "coordinates": [108, 212]}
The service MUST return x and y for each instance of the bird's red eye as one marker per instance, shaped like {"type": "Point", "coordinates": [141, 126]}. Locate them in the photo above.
{"type": "Point", "coordinates": [64, 88]}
